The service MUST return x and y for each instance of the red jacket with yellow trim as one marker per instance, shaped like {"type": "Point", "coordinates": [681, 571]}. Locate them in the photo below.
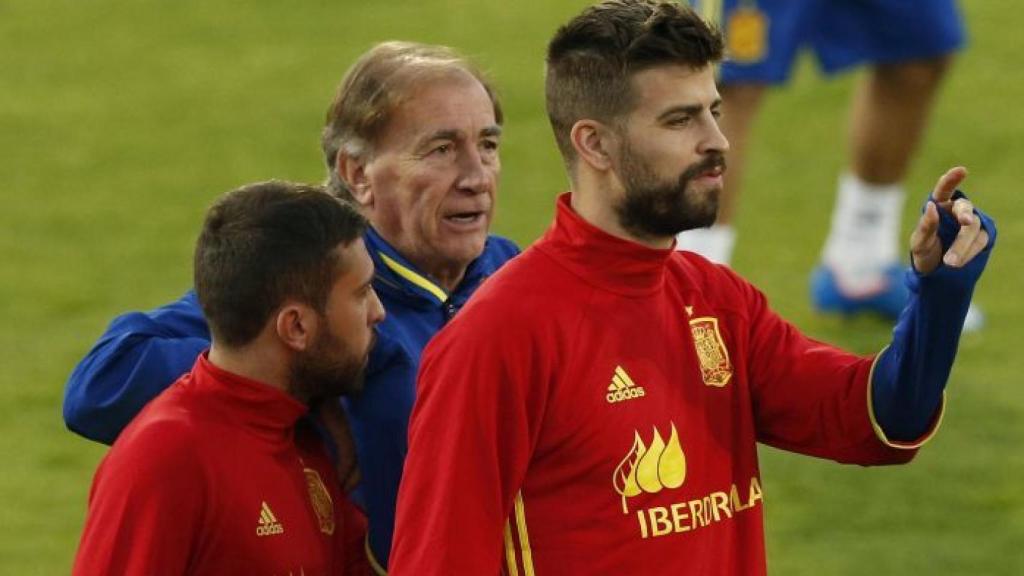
{"type": "Point", "coordinates": [595, 410]}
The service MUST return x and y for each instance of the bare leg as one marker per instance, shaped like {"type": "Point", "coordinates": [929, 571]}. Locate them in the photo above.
{"type": "Point", "coordinates": [889, 115]}
{"type": "Point", "coordinates": [740, 106]}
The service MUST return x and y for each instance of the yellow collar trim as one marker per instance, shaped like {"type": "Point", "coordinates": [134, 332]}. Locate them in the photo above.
{"type": "Point", "coordinates": [415, 278]}
{"type": "Point", "coordinates": [374, 564]}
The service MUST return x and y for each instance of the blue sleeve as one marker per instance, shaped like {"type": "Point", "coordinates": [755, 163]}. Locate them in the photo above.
{"type": "Point", "coordinates": [910, 375]}
{"type": "Point", "coordinates": [138, 356]}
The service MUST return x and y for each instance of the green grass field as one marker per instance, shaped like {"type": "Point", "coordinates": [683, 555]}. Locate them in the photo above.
{"type": "Point", "coordinates": [121, 121]}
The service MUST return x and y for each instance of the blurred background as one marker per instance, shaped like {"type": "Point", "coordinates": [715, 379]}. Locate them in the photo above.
{"type": "Point", "coordinates": [121, 121]}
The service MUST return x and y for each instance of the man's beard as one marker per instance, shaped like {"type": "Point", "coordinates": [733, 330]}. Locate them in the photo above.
{"type": "Point", "coordinates": [658, 209]}
{"type": "Point", "coordinates": [327, 370]}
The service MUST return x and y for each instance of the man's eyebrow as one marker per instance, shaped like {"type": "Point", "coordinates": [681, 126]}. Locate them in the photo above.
{"type": "Point", "coordinates": [492, 131]}
{"type": "Point", "coordinates": [443, 134]}
{"type": "Point", "coordinates": [687, 109]}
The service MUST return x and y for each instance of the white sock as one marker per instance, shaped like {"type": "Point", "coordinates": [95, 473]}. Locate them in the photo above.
{"type": "Point", "coordinates": [865, 234]}
{"type": "Point", "coordinates": [714, 243]}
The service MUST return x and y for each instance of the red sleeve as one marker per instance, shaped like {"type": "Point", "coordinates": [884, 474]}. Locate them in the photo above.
{"type": "Point", "coordinates": [480, 401]}
{"type": "Point", "coordinates": [145, 508]}
{"type": "Point", "coordinates": [810, 397]}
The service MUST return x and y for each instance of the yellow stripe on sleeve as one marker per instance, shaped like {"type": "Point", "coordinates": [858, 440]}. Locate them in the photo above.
{"type": "Point", "coordinates": [510, 551]}
{"type": "Point", "coordinates": [524, 537]}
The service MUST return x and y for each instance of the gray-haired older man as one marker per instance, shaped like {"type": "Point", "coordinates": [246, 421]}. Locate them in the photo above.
{"type": "Point", "coordinates": [413, 135]}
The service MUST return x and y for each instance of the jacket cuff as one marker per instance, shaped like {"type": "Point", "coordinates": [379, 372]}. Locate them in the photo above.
{"type": "Point", "coordinates": [880, 433]}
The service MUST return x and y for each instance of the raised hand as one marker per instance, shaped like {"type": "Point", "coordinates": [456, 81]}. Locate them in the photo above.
{"type": "Point", "coordinates": [925, 247]}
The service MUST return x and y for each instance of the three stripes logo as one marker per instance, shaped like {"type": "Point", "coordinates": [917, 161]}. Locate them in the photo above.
{"type": "Point", "coordinates": [268, 525]}
{"type": "Point", "coordinates": [622, 387]}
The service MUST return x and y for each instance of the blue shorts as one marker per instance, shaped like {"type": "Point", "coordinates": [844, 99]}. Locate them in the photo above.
{"type": "Point", "coordinates": [763, 37]}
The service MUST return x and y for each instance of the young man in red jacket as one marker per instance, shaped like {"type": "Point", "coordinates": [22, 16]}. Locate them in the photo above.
{"type": "Point", "coordinates": [218, 474]}
{"type": "Point", "coordinates": [595, 408]}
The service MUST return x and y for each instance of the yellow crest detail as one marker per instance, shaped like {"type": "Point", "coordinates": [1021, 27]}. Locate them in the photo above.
{"type": "Point", "coordinates": [650, 468]}
{"type": "Point", "coordinates": [715, 368]}
{"type": "Point", "coordinates": [321, 499]}
{"type": "Point", "coordinates": [747, 35]}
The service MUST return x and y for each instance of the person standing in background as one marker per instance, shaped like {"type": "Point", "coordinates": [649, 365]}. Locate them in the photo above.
{"type": "Point", "coordinates": [908, 48]}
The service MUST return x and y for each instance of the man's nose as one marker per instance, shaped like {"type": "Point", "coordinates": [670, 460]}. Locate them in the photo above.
{"type": "Point", "coordinates": [476, 171]}
{"type": "Point", "coordinates": [714, 139]}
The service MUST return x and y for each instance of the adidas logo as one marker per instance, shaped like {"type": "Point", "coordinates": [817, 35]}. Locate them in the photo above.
{"type": "Point", "coordinates": [268, 523]}
{"type": "Point", "coordinates": [622, 387]}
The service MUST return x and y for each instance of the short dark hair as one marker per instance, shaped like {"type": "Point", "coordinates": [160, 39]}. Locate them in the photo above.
{"type": "Point", "coordinates": [592, 59]}
{"type": "Point", "coordinates": [264, 243]}
{"type": "Point", "coordinates": [375, 86]}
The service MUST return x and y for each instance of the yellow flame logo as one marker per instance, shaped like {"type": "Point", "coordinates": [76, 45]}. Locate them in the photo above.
{"type": "Point", "coordinates": [650, 468]}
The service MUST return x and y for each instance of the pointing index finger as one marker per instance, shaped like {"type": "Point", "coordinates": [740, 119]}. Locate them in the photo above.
{"type": "Point", "coordinates": [948, 183]}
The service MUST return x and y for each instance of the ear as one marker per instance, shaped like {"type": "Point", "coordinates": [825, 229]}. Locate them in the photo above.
{"type": "Point", "coordinates": [296, 325]}
{"type": "Point", "coordinates": [593, 142]}
{"type": "Point", "coordinates": [352, 171]}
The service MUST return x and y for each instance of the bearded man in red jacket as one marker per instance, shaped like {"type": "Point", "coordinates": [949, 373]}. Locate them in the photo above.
{"type": "Point", "coordinates": [595, 408]}
{"type": "Point", "coordinates": [220, 474]}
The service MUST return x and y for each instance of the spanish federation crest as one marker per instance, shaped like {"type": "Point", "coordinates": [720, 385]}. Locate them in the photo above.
{"type": "Point", "coordinates": [321, 500]}
{"type": "Point", "coordinates": [747, 34]}
{"type": "Point", "coordinates": [715, 368]}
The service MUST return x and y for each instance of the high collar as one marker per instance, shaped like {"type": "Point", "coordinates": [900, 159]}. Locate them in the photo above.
{"type": "Point", "coordinates": [600, 259]}
{"type": "Point", "coordinates": [392, 271]}
{"type": "Point", "coordinates": [252, 404]}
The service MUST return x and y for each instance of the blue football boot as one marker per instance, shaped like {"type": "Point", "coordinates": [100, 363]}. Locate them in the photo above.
{"type": "Point", "coordinates": [888, 300]}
